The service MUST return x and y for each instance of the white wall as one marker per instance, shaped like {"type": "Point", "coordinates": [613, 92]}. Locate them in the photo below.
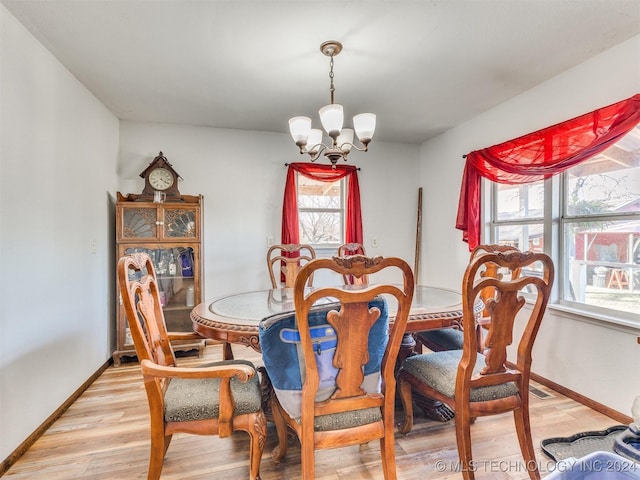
{"type": "Point", "coordinates": [241, 175]}
{"type": "Point", "coordinates": [596, 361]}
{"type": "Point", "coordinates": [58, 149]}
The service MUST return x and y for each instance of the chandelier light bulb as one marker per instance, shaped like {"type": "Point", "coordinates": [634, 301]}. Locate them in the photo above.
{"type": "Point", "coordinates": [314, 141]}
{"type": "Point", "coordinates": [300, 127]}
{"type": "Point", "coordinates": [365, 126]}
{"type": "Point", "coordinates": [345, 140]}
{"type": "Point", "coordinates": [332, 118]}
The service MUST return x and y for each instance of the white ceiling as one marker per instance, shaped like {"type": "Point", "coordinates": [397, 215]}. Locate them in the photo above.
{"type": "Point", "coordinates": [421, 66]}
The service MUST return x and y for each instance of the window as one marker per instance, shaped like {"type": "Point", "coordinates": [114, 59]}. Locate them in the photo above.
{"type": "Point", "coordinates": [590, 224]}
{"type": "Point", "coordinates": [321, 211]}
{"type": "Point", "coordinates": [519, 215]}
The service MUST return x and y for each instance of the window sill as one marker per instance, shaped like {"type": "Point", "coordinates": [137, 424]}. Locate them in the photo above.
{"type": "Point", "coordinates": [595, 318]}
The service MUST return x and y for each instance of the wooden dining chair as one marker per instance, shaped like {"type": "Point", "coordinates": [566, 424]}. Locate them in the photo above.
{"type": "Point", "coordinates": [332, 363]}
{"type": "Point", "coordinates": [285, 260]}
{"type": "Point", "coordinates": [214, 399]}
{"type": "Point", "coordinates": [347, 249]}
{"type": "Point", "coordinates": [474, 384]}
{"type": "Point", "coordinates": [441, 339]}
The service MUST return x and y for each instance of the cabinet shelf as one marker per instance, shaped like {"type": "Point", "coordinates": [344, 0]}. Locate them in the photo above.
{"type": "Point", "coordinates": [170, 232]}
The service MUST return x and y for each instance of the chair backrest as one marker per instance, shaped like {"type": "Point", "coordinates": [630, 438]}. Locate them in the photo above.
{"type": "Point", "coordinates": [492, 270]}
{"type": "Point", "coordinates": [357, 320]}
{"type": "Point", "coordinates": [285, 261]}
{"type": "Point", "coordinates": [347, 249]}
{"type": "Point", "coordinates": [530, 272]}
{"type": "Point", "coordinates": [141, 300]}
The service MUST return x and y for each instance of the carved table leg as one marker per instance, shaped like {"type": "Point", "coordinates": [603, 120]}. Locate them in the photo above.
{"type": "Point", "coordinates": [433, 409]}
{"type": "Point", "coordinates": [407, 349]}
{"type": "Point", "coordinates": [227, 352]}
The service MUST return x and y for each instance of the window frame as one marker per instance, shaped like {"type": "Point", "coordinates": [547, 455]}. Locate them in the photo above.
{"type": "Point", "coordinates": [342, 211]}
{"type": "Point", "coordinates": [555, 222]}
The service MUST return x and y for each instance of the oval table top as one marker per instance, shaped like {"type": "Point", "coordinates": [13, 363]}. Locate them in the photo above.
{"type": "Point", "coordinates": [235, 318]}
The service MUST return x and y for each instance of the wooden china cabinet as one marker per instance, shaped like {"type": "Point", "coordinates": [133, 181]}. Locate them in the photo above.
{"type": "Point", "coordinates": [171, 233]}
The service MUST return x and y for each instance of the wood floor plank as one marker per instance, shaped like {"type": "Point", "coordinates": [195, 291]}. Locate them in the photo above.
{"type": "Point", "coordinates": [104, 435]}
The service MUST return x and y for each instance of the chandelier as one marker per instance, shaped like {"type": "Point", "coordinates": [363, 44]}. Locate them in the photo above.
{"type": "Point", "coordinates": [309, 140]}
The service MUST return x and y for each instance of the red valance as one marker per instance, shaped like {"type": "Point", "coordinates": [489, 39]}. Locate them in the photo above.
{"type": "Point", "coordinates": [540, 155]}
{"type": "Point", "coordinates": [322, 173]}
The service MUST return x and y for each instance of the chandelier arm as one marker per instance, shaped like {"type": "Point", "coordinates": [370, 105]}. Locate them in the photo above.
{"type": "Point", "coordinates": [314, 156]}
{"type": "Point", "coordinates": [364, 148]}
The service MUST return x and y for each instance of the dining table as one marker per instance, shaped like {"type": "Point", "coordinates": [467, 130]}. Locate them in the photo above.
{"type": "Point", "coordinates": [235, 319]}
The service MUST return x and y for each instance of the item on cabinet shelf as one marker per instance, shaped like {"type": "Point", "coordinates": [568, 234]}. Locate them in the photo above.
{"type": "Point", "coordinates": [159, 197]}
{"type": "Point", "coordinates": [190, 302]}
{"type": "Point", "coordinates": [163, 264]}
{"type": "Point", "coordinates": [186, 261]}
{"type": "Point", "coordinates": [173, 267]}
{"type": "Point", "coordinates": [163, 299]}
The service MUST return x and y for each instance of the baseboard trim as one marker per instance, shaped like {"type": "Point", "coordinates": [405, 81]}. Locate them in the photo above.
{"type": "Point", "coordinates": [598, 407]}
{"type": "Point", "coordinates": [31, 439]}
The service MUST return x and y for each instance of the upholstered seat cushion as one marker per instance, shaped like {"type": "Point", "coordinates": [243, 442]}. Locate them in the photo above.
{"type": "Point", "coordinates": [438, 370]}
{"type": "Point", "coordinates": [353, 418]}
{"type": "Point", "coordinates": [198, 399]}
{"type": "Point", "coordinates": [447, 338]}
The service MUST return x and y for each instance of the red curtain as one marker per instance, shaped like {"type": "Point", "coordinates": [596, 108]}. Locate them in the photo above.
{"type": "Point", "coordinates": [322, 173]}
{"type": "Point", "coordinates": [540, 155]}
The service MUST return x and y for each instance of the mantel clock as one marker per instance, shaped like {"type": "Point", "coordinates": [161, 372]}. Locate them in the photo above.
{"type": "Point", "coordinates": [160, 176]}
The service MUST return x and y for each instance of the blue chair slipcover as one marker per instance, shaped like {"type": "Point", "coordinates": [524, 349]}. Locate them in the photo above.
{"type": "Point", "coordinates": [279, 342]}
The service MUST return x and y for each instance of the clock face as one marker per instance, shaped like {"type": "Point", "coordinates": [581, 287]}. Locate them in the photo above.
{"type": "Point", "coordinates": [160, 179]}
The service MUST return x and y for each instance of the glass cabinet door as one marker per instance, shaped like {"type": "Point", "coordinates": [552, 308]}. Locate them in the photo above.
{"type": "Point", "coordinates": [139, 223]}
{"type": "Point", "coordinates": [179, 222]}
{"type": "Point", "coordinates": [176, 277]}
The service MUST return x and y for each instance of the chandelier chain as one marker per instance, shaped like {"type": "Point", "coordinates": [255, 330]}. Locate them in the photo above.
{"type": "Point", "coordinates": [331, 88]}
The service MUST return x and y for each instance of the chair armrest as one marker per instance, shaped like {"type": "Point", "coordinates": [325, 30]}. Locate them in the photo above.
{"type": "Point", "coordinates": [241, 372]}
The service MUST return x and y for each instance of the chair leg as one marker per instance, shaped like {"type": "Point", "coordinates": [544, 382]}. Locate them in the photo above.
{"type": "Point", "coordinates": [280, 450]}
{"type": "Point", "coordinates": [388, 454]}
{"type": "Point", "coordinates": [404, 389]}
{"type": "Point", "coordinates": [257, 434]}
{"type": "Point", "coordinates": [523, 429]}
{"type": "Point", "coordinates": [159, 445]}
{"type": "Point", "coordinates": [308, 460]}
{"type": "Point", "coordinates": [463, 439]}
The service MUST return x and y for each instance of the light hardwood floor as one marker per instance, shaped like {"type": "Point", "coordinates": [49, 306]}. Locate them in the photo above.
{"type": "Point", "coordinates": [104, 435]}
